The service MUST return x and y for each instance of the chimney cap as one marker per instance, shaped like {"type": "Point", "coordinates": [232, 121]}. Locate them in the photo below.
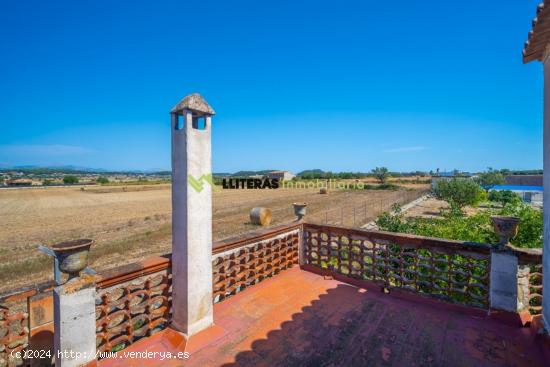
{"type": "Point", "coordinates": [196, 103]}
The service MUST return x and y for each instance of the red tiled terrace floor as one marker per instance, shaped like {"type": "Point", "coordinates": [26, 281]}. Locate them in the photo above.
{"type": "Point", "coordinates": [298, 318]}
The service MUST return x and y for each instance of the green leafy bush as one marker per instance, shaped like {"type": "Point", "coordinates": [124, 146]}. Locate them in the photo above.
{"type": "Point", "coordinates": [476, 228]}
{"type": "Point", "coordinates": [504, 197]}
{"type": "Point", "coordinates": [458, 192]}
{"type": "Point", "coordinates": [530, 226]}
{"type": "Point", "coordinates": [70, 180]}
{"type": "Point", "coordinates": [386, 186]}
{"type": "Point", "coordinates": [102, 180]}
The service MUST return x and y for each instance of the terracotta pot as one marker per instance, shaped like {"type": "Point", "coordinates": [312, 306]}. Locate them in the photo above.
{"type": "Point", "coordinates": [72, 256]}
{"type": "Point", "coordinates": [299, 209]}
{"type": "Point", "coordinates": [506, 228]}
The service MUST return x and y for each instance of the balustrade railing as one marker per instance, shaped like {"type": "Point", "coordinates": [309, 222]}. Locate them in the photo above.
{"type": "Point", "coordinates": [14, 333]}
{"type": "Point", "coordinates": [240, 264]}
{"type": "Point", "coordinates": [22, 315]}
{"type": "Point", "coordinates": [451, 270]}
{"type": "Point", "coordinates": [132, 303]}
{"type": "Point", "coordinates": [530, 289]}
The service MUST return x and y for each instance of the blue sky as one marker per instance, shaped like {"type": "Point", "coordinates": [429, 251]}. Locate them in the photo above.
{"type": "Point", "coordinates": [340, 86]}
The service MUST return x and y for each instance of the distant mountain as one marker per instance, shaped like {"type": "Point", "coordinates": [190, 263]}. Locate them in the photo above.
{"type": "Point", "coordinates": [78, 169]}
{"type": "Point", "coordinates": [66, 168]}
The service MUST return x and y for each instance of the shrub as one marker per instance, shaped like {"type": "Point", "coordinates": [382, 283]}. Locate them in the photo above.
{"type": "Point", "coordinates": [70, 180]}
{"type": "Point", "coordinates": [530, 231]}
{"type": "Point", "coordinates": [504, 197]}
{"type": "Point", "coordinates": [102, 180]}
{"type": "Point", "coordinates": [458, 192]}
{"type": "Point", "coordinates": [476, 228]}
{"type": "Point", "coordinates": [386, 186]}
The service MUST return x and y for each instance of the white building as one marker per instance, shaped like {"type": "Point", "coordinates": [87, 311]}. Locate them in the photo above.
{"type": "Point", "coordinates": [281, 175]}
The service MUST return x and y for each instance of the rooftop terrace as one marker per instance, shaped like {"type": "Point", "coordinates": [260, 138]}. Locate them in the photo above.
{"type": "Point", "coordinates": [299, 318]}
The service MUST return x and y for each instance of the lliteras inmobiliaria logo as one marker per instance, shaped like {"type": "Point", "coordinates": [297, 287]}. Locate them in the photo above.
{"type": "Point", "coordinates": [250, 183]}
{"type": "Point", "coordinates": [198, 184]}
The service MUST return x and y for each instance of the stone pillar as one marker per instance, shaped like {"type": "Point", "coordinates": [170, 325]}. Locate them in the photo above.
{"type": "Point", "coordinates": [504, 281]}
{"type": "Point", "coordinates": [74, 320]}
{"type": "Point", "coordinates": [509, 288]}
{"type": "Point", "coordinates": [191, 216]}
{"type": "Point", "coordinates": [546, 195]}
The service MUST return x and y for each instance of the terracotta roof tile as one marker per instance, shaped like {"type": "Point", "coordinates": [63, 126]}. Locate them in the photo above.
{"type": "Point", "coordinates": [539, 36]}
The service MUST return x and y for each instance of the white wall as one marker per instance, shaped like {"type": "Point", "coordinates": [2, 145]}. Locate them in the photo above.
{"type": "Point", "coordinates": [546, 159]}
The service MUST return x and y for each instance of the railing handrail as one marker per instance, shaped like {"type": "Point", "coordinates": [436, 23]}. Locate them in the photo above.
{"type": "Point", "coordinates": [133, 271]}
{"type": "Point", "coordinates": [526, 255]}
{"type": "Point", "coordinates": [254, 236]}
{"type": "Point", "coordinates": [21, 293]}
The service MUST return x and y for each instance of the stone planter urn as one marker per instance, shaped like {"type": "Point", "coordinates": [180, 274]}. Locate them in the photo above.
{"type": "Point", "coordinates": [72, 256]}
{"type": "Point", "coordinates": [506, 228]}
{"type": "Point", "coordinates": [299, 210]}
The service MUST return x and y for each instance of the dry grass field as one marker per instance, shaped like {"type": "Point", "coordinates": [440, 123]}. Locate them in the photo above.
{"type": "Point", "coordinates": [130, 223]}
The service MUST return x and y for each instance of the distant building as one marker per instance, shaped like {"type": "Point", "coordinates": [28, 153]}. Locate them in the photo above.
{"type": "Point", "coordinates": [281, 175]}
{"type": "Point", "coordinates": [523, 180]}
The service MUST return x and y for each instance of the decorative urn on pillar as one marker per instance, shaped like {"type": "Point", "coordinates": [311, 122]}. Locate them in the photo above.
{"type": "Point", "coordinates": [506, 228]}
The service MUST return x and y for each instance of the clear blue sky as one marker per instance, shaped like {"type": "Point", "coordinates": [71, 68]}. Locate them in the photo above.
{"type": "Point", "coordinates": [340, 86]}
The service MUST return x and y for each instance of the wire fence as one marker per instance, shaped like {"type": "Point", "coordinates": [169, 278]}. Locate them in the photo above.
{"type": "Point", "coordinates": [365, 212]}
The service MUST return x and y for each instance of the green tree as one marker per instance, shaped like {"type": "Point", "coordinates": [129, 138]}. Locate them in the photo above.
{"type": "Point", "coordinates": [381, 174]}
{"type": "Point", "coordinates": [102, 180]}
{"type": "Point", "coordinates": [70, 180]}
{"type": "Point", "coordinates": [490, 178]}
{"type": "Point", "coordinates": [458, 192]}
